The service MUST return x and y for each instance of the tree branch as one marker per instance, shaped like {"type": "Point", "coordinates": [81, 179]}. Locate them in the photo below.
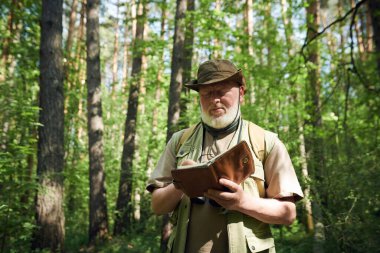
{"type": "Point", "coordinates": [353, 69]}
{"type": "Point", "coordinates": [354, 9]}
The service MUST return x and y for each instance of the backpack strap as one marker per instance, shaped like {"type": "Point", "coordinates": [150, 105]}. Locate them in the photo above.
{"type": "Point", "coordinates": [185, 136]}
{"type": "Point", "coordinates": [257, 139]}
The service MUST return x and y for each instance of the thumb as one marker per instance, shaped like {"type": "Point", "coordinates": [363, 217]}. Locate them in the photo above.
{"type": "Point", "coordinates": [229, 184]}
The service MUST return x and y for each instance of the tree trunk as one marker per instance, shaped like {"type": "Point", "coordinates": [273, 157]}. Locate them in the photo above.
{"type": "Point", "coordinates": [157, 96]}
{"type": "Point", "coordinates": [124, 205]}
{"type": "Point", "coordinates": [125, 58]}
{"type": "Point", "coordinates": [71, 28]}
{"type": "Point", "coordinates": [98, 228]}
{"type": "Point", "coordinates": [315, 142]}
{"type": "Point", "coordinates": [248, 16]}
{"type": "Point", "coordinates": [359, 37]}
{"type": "Point", "coordinates": [305, 174]}
{"type": "Point", "coordinates": [79, 46]}
{"type": "Point", "coordinates": [374, 7]}
{"type": "Point", "coordinates": [176, 80]}
{"type": "Point", "coordinates": [369, 29]}
{"type": "Point", "coordinates": [115, 52]}
{"type": "Point", "coordinates": [6, 58]}
{"type": "Point", "coordinates": [50, 232]}
{"type": "Point", "coordinates": [216, 42]}
{"type": "Point", "coordinates": [187, 62]}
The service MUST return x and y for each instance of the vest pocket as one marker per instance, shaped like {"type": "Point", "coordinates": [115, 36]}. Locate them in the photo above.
{"type": "Point", "coordinates": [255, 244]}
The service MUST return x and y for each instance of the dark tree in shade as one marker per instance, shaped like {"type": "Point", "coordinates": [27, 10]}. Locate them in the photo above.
{"type": "Point", "coordinates": [50, 233]}
{"type": "Point", "coordinates": [124, 205]}
{"type": "Point", "coordinates": [176, 80]}
{"type": "Point", "coordinates": [98, 204]}
{"type": "Point", "coordinates": [176, 77]}
{"type": "Point", "coordinates": [374, 8]}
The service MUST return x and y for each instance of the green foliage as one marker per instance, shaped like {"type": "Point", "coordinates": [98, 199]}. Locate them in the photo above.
{"type": "Point", "coordinates": [18, 124]}
{"type": "Point", "coordinates": [345, 184]}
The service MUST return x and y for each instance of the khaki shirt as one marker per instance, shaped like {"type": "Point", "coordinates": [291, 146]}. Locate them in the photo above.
{"type": "Point", "coordinates": [207, 228]}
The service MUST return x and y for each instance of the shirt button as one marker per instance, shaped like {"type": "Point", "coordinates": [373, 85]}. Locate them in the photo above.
{"type": "Point", "coordinates": [253, 247]}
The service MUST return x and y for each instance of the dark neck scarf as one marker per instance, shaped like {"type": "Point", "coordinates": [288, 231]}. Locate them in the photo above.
{"type": "Point", "coordinates": [215, 132]}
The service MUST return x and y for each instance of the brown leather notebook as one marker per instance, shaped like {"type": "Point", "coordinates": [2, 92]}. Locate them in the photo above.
{"type": "Point", "coordinates": [235, 164]}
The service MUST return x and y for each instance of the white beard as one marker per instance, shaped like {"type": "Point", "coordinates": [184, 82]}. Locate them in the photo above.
{"type": "Point", "coordinates": [222, 121]}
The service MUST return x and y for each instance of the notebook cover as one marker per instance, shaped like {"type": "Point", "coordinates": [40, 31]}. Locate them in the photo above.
{"type": "Point", "coordinates": [235, 164]}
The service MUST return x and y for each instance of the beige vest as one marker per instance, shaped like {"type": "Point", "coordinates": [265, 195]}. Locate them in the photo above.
{"type": "Point", "coordinates": [245, 234]}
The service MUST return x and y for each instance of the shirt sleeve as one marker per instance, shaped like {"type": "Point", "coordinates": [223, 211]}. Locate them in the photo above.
{"type": "Point", "coordinates": [161, 175]}
{"type": "Point", "coordinates": [280, 175]}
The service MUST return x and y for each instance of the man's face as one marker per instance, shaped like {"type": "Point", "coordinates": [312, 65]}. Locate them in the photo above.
{"type": "Point", "coordinates": [220, 103]}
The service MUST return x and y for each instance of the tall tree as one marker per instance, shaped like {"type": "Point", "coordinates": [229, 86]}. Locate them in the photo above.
{"type": "Point", "coordinates": [115, 51]}
{"type": "Point", "coordinates": [314, 92]}
{"type": "Point", "coordinates": [124, 205]}
{"type": "Point", "coordinates": [158, 93]}
{"type": "Point", "coordinates": [374, 8]}
{"type": "Point", "coordinates": [98, 228]}
{"type": "Point", "coordinates": [50, 233]}
{"type": "Point", "coordinates": [187, 61]}
{"type": "Point", "coordinates": [176, 79]}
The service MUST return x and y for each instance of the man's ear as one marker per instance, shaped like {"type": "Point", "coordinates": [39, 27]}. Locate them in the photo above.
{"type": "Point", "coordinates": [241, 93]}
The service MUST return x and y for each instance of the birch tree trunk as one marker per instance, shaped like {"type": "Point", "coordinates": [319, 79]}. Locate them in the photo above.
{"type": "Point", "coordinates": [124, 205]}
{"type": "Point", "coordinates": [50, 232]}
{"type": "Point", "coordinates": [216, 43]}
{"type": "Point", "coordinates": [248, 16]}
{"type": "Point", "coordinates": [115, 55]}
{"type": "Point", "coordinates": [98, 228]}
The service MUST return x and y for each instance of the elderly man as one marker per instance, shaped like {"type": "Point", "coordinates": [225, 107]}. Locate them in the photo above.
{"type": "Point", "coordinates": [236, 220]}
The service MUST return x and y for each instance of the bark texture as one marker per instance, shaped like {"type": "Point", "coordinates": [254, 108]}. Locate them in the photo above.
{"type": "Point", "coordinates": [50, 233]}
{"type": "Point", "coordinates": [176, 80]}
{"type": "Point", "coordinates": [176, 77]}
{"type": "Point", "coordinates": [98, 228]}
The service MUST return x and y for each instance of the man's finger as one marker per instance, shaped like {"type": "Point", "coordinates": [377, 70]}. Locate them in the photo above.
{"type": "Point", "coordinates": [229, 184]}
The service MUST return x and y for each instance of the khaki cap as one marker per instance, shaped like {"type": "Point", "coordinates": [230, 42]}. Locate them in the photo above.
{"type": "Point", "coordinates": [216, 72]}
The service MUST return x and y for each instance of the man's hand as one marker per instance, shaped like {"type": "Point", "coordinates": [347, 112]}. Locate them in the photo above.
{"type": "Point", "coordinates": [272, 211]}
{"type": "Point", "coordinates": [232, 199]}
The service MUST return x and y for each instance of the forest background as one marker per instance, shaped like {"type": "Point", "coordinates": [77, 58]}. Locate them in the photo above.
{"type": "Point", "coordinates": [90, 92]}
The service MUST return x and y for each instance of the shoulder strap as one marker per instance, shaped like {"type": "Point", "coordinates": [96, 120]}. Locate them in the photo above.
{"type": "Point", "coordinates": [257, 139]}
{"type": "Point", "coordinates": [185, 136]}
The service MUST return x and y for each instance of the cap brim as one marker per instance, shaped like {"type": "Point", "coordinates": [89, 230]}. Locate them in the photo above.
{"type": "Point", "coordinates": [194, 85]}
